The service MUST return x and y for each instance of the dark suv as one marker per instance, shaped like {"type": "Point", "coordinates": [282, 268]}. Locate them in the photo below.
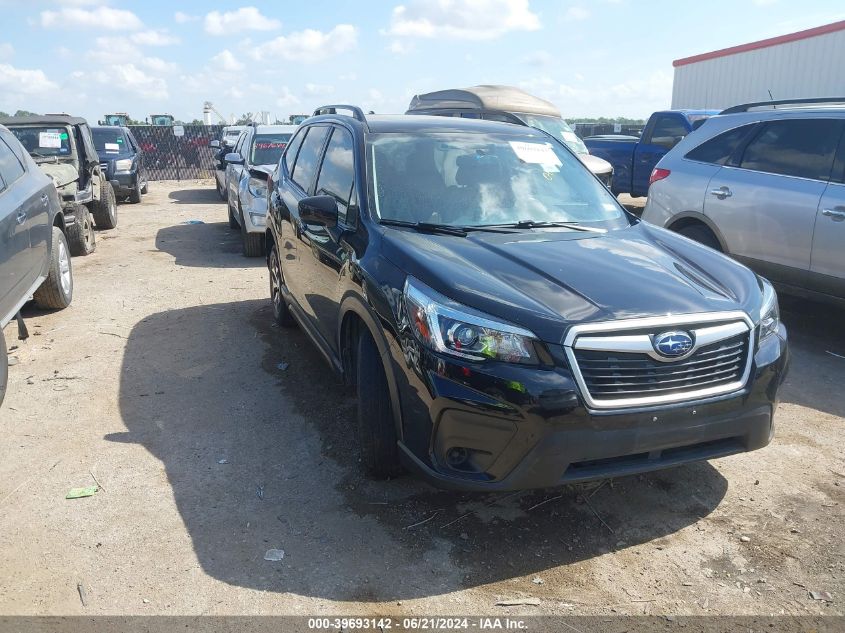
{"type": "Point", "coordinates": [122, 161]}
{"type": "Point", "coordinates": [506, 322]}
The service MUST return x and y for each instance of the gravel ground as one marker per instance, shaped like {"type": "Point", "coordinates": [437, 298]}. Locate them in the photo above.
{"type": "Point", "coordinates": [162, 381]}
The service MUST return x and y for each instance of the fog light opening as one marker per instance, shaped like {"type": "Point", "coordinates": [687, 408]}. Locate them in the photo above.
{"type": "Point", "coordinates": [457, 457]}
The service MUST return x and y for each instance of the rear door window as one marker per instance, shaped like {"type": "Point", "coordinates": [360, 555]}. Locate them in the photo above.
{"type": "Point", "coordinates": [289, 157]}
{"type": "Point", "coordinates": [668, 131]}
{"type": "Point", "coordinates": [308, 159]}
{"type": "Point", "coordinates": [719, 149]}
{"type": "Point", "coordinates": [337, 173]}
{"type": "Point", "coordinates": [795, 147]}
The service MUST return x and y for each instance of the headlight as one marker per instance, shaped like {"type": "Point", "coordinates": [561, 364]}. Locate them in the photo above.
{"type": "Point", "coordinates": [445, 326]}
{"type": "Point", "coordinates": [257, 187]}
{"type": "Point", "coordinates": [124, 164]}
{"type": "Point", "coordinates": [769, 311]}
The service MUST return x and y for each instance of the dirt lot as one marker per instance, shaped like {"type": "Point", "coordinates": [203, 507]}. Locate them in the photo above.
{"type": "Point", "coordinates": [163, 382]}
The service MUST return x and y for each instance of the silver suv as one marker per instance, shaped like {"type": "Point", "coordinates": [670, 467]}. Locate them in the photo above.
{"type": "Point", "coordinates": [765, 184]}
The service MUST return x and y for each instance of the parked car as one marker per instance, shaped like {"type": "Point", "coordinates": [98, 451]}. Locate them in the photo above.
{"type": "Point", "coordinates": [634, 158]}
{"type": "Point", "coordinates": [122, 161]}
{"type": "Point", "coordinates": [34, 255]}
{"type": "Point", "coordinates": [249, 164]}
{"type": "Point", "coordinates": [510, 105]}
{"type": "Point", "coordinates": [228, 137]}
{"type": "Point", "coordinates": [765, 186]}
{"type": "Point", "coordinates": [507, 324]}
{"type": "Point", "coordinates": [62, 147]}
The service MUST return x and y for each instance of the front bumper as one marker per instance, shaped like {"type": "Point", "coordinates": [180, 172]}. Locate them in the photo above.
{"type": "Point", "coordinates": [254, 212]}
{"type": "Point", "coordinates": [508, 427]}
{"type": "Point", "coordinates": [123, 183]}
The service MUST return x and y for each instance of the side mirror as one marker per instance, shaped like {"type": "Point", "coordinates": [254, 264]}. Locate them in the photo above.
{"type": "Point", "coordinates": [233, 158]}
{"type": "Point", "coordinates": [215, 144]}
{"type": "Point", "coordinates": [320, 210]}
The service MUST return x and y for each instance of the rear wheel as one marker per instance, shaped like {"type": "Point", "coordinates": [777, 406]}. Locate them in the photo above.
{"type": "Point", "coordinates": [105, 209]}
{"type": "Point", "coordinates": [376, 432]}
{"type": "Point", "coordinates": [220, 190]}
{"type": "Point", "coordinates": [56, 292]}
{"type": "Point", "coordinates": [702, 235]}
{"type": "Point", "coordinates": [281, 312]}
{"type": "Point", "coordinates": [81, 238]}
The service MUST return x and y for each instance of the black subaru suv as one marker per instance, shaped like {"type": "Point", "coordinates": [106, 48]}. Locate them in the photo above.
{"type": "Point", "coordinates": [507, 324]}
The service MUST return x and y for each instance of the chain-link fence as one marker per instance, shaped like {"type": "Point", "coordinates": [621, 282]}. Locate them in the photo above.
{"type": "Point", "coordinates": [171, 157]}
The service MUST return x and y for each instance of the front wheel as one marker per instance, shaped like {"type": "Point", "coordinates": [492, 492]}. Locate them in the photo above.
{"type": "Point", "coordinates": [81, 238]}
{"type": "Point", "coordinates": [281, 312]}
{"type": "Point", "coordinates": [135, 194]}
{"type": "Point", "coordinates": [4, 366]}
{"type": "Point", "coordinates": [253, 243]}
{"type": "Point", "coordinates": [56, 292]}
{"type": "Point", "coordinates": [376, 432]}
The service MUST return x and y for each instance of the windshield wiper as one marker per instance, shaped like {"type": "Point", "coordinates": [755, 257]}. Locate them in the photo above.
{"type": "Point", "coordinates": [445, 229]}
{"type": "Point", "coordinates": [539, 224]}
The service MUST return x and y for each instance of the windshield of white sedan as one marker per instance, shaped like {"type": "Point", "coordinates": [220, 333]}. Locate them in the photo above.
{"type": "Point", "coordinates": [44, 141]}
{"type": "Point", "coordinates": [268, 148]}
{"type": "Point", "coordinates": [477, 179]}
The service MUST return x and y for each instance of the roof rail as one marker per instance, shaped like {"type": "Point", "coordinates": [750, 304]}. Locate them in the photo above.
{"type": "Point", "coordinates": [745, 107]}
{"type": "Point", "coordinates": [357, 113]}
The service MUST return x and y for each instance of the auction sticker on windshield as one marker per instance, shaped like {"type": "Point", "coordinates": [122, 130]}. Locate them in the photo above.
{"type": "Point", "coordinates": [49, 139]}
{"type": "Point", "coordinates": [536, 154]}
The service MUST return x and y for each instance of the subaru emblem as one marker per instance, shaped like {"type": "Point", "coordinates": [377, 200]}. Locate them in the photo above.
{"type": "Point", "coordinates": [673, 344]}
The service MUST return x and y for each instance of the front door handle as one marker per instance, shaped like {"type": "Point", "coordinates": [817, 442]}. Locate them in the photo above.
{"type": "Point", "coordinates": [837, 214]}
{"type": "Point", "coordinates": [721, 193]}
{"type": "Point", "coordinates": [21, 217]}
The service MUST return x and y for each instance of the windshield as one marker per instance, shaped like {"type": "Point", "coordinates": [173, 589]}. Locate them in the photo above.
{"type": "Point", "coordinates": [110, 141]}
{"type": "Point", "coordinates": [44, 141]}
{"type": "Point", "coordinates": [557, 127]}
{"type": "Point", "coordinates": [476, 179]}
{"type": "Point", "coordinates": [268, 148]}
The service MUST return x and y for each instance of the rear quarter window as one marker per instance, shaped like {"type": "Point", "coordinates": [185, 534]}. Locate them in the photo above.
{"type": "Point", "coordinates": [719, 149]}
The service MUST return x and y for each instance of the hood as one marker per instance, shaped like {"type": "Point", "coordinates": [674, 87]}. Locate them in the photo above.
{"type": "Point", "coordinates": [595, 164]}
{"type": "Point", "coordinates": [61, 173]}
{"type": "Point", "coordinates": [547, 280]}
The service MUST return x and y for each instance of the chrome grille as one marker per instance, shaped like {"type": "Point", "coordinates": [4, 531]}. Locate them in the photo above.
{"type": "Point", "coordinates": [616, 365]}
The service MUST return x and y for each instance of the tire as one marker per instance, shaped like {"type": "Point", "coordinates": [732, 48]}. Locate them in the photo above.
{"type": "Point", "coordinates": [145, 188]}
{"type": "Point", "coordinates": [135, 194]}
{"type": "Point", "coordinates": [233, 223]}
{"type": "Point", "coordinates": [56, 292]}
{"type": "Point", "coordinates": [4, 366]}
{"type": "Point", "coordinates": [702, 235]}
{"type": "Point", "coordinates": [253, 243]}
{"type": "Point", "coordinates": [105, 209]}
{"type": "Point", "coordinates": [281, 312]}
{"type": "Point", "coordinates": [220, 190]}
{"type": "Point", "coordinates": [376, 432]}
{"type": "Point", "coordinates": [81, 239]}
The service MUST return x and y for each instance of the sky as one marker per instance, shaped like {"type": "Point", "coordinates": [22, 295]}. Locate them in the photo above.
{"type": "Point", "coordinates": [591, 58]}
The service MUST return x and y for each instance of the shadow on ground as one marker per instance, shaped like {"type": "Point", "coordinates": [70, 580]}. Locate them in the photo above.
{"type": "Point", "coordinates": [207, 245]}
{"type": "Point", "coordinates": [195, 196]}
{"type": "Point", "coordinates": [198, 388]}
{"type": "Point", "coordinates": [817, 344]}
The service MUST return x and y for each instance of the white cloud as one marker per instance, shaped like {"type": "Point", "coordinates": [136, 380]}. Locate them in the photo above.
{"type": "Point", "coordinates": [154, 38]}
{"type": "Point", "coordinates": [243, 19]}
{"type": "Point", "coordinates": [309, 45]}
{"type": "Point", "coordinates": [6, 50]}
{"type": "Point", "coordinates": [318, 90]}
{"type": "Point", "coordinates": [157, 65]}
{"type": "Point", "coordinates": [287, 98]}
{"type": "Point", "coordinates": [130, 79]}
{"type": "Point", "coordinates": [538, 58]}
{"type": "Point", "coordinates": [183, 18]}
{"type": "Point", "coordinates": [104, 18]}
{"type": "Point", "coordinates": [574, 14]}
{"type": "Point", "coordinates": [398, 47]}
{"type": "Point", "coordinates": [19, 81]}
{"type": "Point", "coordinates": [227, 61]}
{"type": "Point", "coordinates": [462, 19]}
